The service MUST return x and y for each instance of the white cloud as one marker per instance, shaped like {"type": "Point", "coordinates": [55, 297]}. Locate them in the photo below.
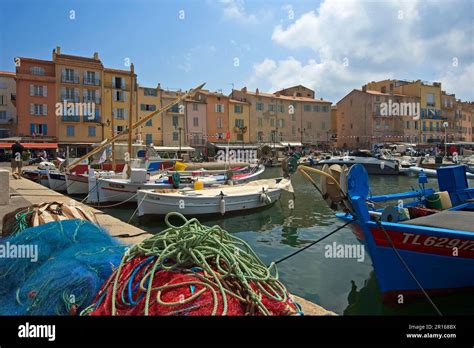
{"type": "Point", "coordinates": [385, 39]}
{"type": "Point", "coordinates": [460, 80]}
{"type": "Point", "coordinates": [235, 10]}
{"type": "Point", "coordinates": [290, 72]}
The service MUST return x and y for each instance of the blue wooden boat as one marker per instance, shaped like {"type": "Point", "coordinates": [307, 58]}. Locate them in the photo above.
{"type": "Point", "coordinates": [437, 249]}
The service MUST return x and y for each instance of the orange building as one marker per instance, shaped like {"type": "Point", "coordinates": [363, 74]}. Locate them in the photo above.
{"type": "Point", "coordinates": [217, 115]}
{"type": "Point", "coordinates": [36, 98]}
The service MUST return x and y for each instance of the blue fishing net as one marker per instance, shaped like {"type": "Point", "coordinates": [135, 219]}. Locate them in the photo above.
{"type": "Point", "coordinates": [73, 258]}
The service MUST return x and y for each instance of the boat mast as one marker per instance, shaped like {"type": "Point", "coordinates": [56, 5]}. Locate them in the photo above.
{"type": "Point", "coordinates": [145, 119]}
{"type": "Point", "coordinates": [130, 122]}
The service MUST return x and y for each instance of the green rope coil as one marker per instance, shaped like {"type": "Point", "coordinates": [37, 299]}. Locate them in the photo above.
{"type": "Point", "coordinates": [228, 264]}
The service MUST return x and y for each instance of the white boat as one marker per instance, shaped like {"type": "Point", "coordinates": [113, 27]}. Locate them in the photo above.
{"type": "Point", "coordinates": [124, 190]}
{"type": "Point", "coordinates": [78, 184]}
{"type": "Point", "coordinates": [431, 173]}
{"type": "Point", "coordinates": [373, 165]}
{"type": "Point", "coordinates": [212, 201]}
{"type": "Point", "coordinates": [56, 181]}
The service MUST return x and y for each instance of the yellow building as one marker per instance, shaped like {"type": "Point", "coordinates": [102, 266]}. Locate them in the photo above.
{"type": "Point", "coordinates": [149, 101]}
{"type": "Point", "coordinates": [430, 126]}
{"type": "Point", "coordinates": [79, 89]}
{"type": "Point", "coordinates": [116, 101]}
{"type": "Point", "coordinates": [239, 114]}
{"type": "Point", "coordinates": [173, 121]}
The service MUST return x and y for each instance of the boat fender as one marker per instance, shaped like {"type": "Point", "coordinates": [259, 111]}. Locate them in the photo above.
{"type": "Point", "coordinates": [395, 214]}
{"type": "Point", "coordinates": [264, 198]}
{"type": "Point", "coordinates": [222, 204]}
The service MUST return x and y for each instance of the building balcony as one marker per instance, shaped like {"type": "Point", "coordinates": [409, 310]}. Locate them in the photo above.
{"type": "Point", "coordinates": [71, 118]}
{"type": "Point", "coordinates": [91, 82]}
{"type": "Point", "coordinates": [197, 142]}
{"type": "Point", "coordinates": [113, 86]}
{"type": "Point", "coordinates": [95, 100]}
{"type": "Point", "coordinates": [67, 98]}
{"type": "Point", "coordinates": [70, 79]}
{"type": "Point", "coordinates": [95, 119]}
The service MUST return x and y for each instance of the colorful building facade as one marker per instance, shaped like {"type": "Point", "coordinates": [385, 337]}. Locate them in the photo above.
{"type": "Point", "coordinates": [79, 90]}
{"type": "Point", "coordinates": [8, 118]}
{"type": "Point", "coordinates": [239, 120]}
{"type": "Point", "coordinates": [148, 101]}
{"type": "Point", "coordinates": [196, 123]}
{"type": "Point", "coordinates": [275, 118]}
{"type": "Point", "coordinates": [36, 99]}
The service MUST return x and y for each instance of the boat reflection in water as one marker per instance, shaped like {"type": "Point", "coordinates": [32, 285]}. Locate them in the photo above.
{"type": "Point", "coordinates": [367, 300]}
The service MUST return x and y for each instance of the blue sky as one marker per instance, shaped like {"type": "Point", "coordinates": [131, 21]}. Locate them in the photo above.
{"type": "Point", "coordinates": [332, 46]}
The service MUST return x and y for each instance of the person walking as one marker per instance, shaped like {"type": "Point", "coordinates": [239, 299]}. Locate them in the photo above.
{"type": "Point", "coordinates": [17, 159]}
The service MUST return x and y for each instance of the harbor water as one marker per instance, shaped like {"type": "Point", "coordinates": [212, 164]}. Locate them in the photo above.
{"type": "Point", "coordinates": [344, 285]}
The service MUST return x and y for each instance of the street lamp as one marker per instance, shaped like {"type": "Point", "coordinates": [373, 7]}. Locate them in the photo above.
{"type": "Point", "coordinates": [445, 125]}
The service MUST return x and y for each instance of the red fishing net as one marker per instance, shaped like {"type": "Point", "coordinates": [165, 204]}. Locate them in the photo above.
{"type": "Point", "coordinates": [183, 292]}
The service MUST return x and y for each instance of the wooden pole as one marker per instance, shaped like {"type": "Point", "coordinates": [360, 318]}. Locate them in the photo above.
{"type": "Point", "coordinates": [135, 125]}
{"type": "Point", "coordinates": [112, 123]}
{"type": "Point", "coordinates": [130, 122]}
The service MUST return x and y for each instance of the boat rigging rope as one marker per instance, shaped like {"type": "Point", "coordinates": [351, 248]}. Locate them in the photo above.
{"type": "Point", "coordinates": [315, 242]}
{"type": "Point", "coordinates": [223, 260]}
{"type": "Point", "coordinates": [379, 223]}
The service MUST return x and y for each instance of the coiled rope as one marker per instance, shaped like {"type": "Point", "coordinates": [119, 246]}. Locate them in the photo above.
{"type": "Point", "coordinates": [223, 264]}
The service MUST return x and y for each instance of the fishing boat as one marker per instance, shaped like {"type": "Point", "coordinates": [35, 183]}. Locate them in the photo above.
{"type": "Point", "coordinates": [212, 201]}
{"type": "Point", "coordinates": [123, 190]}
{"type": "Point", "coordinates": [373, 165]}
{"type": "Point", "coordinates": [416, 250]}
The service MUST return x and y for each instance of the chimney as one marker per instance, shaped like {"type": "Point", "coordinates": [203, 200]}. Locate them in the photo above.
{"type": "Point", "coordinates": [132, 68]}
{"type": "Point", "coordinates": [96, 56]}
{"type": "Point", "coordinates": [58, 50]}
{"type": "Point", "coordinates": [321, 99]}
{"type": "Point", "coordinates": [159, 86]}
{"type": "Point", "coordinates": [244, 90]}
{"type": "Point", "coordinates": [257, 91]}
{"type": "Point", "coordinates": [277, 93]}
{"type": "Point", "coordinates": [364, 88]}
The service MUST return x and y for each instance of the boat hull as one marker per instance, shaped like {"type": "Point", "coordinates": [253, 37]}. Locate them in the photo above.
{"type": "Point", "coordinates": [156, 204]}
{"type": "Point", "coordinates": [442, 260]}
{"type": "Point", "coordinates": [77, 184]}
{"type": "Point", "coordinates": [57, 181]}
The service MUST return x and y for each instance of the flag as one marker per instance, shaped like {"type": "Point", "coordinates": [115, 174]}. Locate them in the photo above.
{"type": "Point", "coordinates": [103, 157]}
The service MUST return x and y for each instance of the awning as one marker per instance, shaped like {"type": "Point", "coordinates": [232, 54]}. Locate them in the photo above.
{"type": "Point", "coordinates": [291, 144]}
{"type": "Point", "coordinates": [234, 146]}
{"type": "Point", "coordinates": [174, 148]}
{"type": "Point", "coordinates": [31, 145]}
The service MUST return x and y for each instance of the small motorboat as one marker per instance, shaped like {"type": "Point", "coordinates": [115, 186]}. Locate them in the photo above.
{"type": "Point", "coordinates": [220, 200]}
{"type": "Point", "coordinates": [373, 165]}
